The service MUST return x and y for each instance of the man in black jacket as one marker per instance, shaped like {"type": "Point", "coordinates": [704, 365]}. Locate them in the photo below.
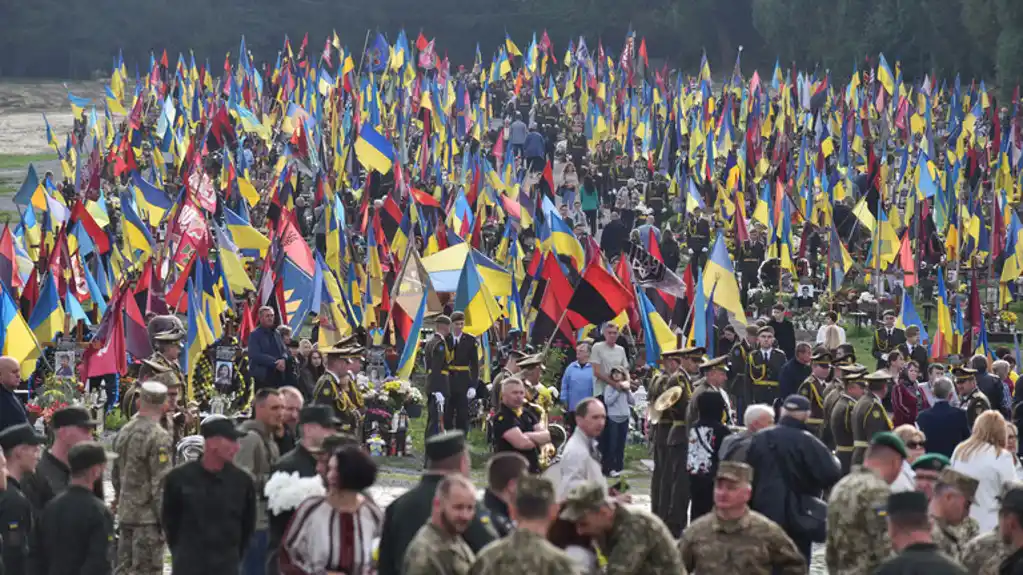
{"type": "Point", "coordinates": [910, 533]}
{"type": "Point", "coordinates": [790, 463]}
{"type": "Point", "coordinates": [268, 356]}
{"type": "Point", "coordinates": [784, 331]}
{"type": "Point", "coordinates": [796, 370]}
{"type": "Point", "coordinates": [20, 445]}
{"type": "Point", "coordinates": [503, 473]}
{"type": "Point", "coordinates": [990, 385]}
{"type": "Point", "coordinates": [463, 374]}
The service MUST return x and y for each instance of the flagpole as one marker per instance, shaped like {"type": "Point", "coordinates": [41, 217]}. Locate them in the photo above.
{"type": "Point", "coordinates": [557, 326]}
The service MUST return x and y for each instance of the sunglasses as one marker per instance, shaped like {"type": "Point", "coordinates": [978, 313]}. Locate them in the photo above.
{"type": "Point", "coordinates": [914, 445]}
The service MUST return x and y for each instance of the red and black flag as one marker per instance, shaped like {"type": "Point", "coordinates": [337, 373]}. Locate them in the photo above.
{"type": "Point", "coordinates": [598, 298]}
{"type": "Point", "coordinates": [550, 317]}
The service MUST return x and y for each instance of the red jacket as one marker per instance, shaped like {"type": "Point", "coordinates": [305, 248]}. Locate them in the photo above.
{"type": "Point", "coordinates": [904, 402]}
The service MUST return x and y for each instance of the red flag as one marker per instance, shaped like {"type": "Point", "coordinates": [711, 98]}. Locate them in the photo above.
{"type": "Point", "coordinates": [548, 176]}
{"type": "Point", "coordinates": [598, 297]}
{"type": "Point", "coordinates": [423, 199]}
{"type": "Point", "coordinates": [136, 336]}
{"type": "Point", "coordinates": [96, 233]}
{"type": "Point", "coordinates": [421, 42]}
{"type": "Point", "coordinates": [107, 353]}
{"type": "Point", "coordinates": [8, 263]}
{"type": "Point", "coordinates": [247, 324]}
{"type": "Point", "coordinates": [906, 261]}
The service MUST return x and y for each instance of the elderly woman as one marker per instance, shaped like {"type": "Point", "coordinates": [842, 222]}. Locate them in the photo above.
{"type": "Point", "coordinates": [985, 457]}
{"type": "Point", "coordinates": [337, 532]}
{"type": "Point", "coordinates": [914, 440]}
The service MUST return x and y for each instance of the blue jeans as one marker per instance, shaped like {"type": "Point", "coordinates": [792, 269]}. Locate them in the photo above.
{"type": "Point", "coordinates": [614, 455]}
{"type": "Point", "coordinates": [254, 562]}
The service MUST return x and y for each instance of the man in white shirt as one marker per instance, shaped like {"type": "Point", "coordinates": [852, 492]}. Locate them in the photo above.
{"type": "Point", "coordinates": [579, 463]}
{"type": "Point", "coordinates": [832, 321]}
{"type": "Point", "coordinates": [606, 355]}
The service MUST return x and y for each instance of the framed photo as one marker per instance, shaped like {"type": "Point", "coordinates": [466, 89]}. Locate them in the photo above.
{"type": "Point", "coordinates": [223, 375]}
{"type": "Point", "coordinates": [64, 367]}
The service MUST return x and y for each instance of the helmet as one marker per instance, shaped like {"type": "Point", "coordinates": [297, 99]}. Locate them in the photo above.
{"type": "Point", "coordinates": [166, 328]}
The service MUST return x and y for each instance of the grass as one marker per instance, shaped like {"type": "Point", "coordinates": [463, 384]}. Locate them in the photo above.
{"type": "Point", "coordinates": [12, 161]}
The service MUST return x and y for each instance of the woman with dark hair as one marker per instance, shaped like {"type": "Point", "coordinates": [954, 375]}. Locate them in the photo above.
{"type": "Point", "coordinates": [312, 369]}
{"type": "Point", "coordinates": [705, 438]}
{"type": "Point", "coordinates": [337, 532]}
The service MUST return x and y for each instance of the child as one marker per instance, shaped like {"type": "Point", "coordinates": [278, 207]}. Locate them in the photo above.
{"type": "Point", "coordinates": [617, 398]}
{"type": "Point", "coordinates": [705, 438]}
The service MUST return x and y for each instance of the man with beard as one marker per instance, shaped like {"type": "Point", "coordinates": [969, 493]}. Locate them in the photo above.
{"type": "Point", "coordinates": [438, 547]}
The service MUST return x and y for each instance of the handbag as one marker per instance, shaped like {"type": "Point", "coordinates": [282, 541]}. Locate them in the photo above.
{"type": "Point", "coordinates": [805, 515]}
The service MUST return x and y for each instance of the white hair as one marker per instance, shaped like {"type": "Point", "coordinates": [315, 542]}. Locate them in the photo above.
{"type": "Point", "coordinates": [757, 411]}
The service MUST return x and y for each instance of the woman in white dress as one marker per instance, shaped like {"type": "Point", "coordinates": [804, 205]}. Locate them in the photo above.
{"type": "Point", "coordinates": [986, 458]}
{"type": "Point", "coordinates": [337, 532]}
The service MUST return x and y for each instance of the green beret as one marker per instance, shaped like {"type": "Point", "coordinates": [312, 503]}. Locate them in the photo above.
{"type": "Point", "coordinates": [891, 441]}
{"type": "Point", "coordinates": [931, 462]}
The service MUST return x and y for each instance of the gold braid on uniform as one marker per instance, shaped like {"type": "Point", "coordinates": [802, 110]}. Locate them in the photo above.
{"type": "Point", "coordinates": [354, 395]}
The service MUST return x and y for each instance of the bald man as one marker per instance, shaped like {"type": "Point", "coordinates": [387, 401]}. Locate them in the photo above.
{"type": "Point", "coordinates": [12, 410]}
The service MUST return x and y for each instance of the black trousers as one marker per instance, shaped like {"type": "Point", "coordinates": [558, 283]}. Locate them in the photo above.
{"type": "Point", "coordinates": [456, 411]}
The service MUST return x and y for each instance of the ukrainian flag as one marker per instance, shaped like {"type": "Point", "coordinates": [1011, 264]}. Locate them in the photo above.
{"type": "Point", "coordinates": [554, 234]}
{"type": "Point", "coordinates": [908, 317]}
{"type": "Point", "coordinates": [16, 338]}
{"type": "Point", "coordinates": [199, 338]}
{"type": "Point", "coordinates": [719, 279]}
{"type": "Point", "coordinates": [47, 317]}
{"type": "Point", "coordinates": [473, 297]}
{"type": "Point", "coordinates": [885, 76]}
{"type": "Point", "coordinates": [244, 235]}
{"type": "Point", "coordinates": [658, 335]}
{"type": "Point", "coordinates": [136, 234]}
{"type": "Point", "coordinates": [152, 200]}
{"type": "Point", "coordinates": [373, 150]}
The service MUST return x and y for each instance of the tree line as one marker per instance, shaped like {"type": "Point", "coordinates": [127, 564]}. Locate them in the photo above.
{"type": "Point", "coordinates": [973, 38]}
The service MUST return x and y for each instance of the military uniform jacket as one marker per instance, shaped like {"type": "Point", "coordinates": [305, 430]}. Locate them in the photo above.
{"type": "Point", "coordinates": [16, 522]}
{"type": "Point", "coordinates": [75, 535]}
{"type": "Point", "coordinates": [329, 390]}
{"type": "Point", "coordinates": [661, 384]}
{"type": "Point", "coordinates": [857, 538]}
{"type": "Point", "coordinates": [918, 354]}
{"type": "Point", "coordinates": [832, 392]}
{"type": "Point", "coordinates": [434, 552]}
{"type": "Point", "coordinates": [974, 403]}
{"type": "Point", "coordinates": [143, 450]}
{"type": "Point", "coordinates": [813, 390]}
{"type": "Point", "coordinates": [437, 359]}
{"type": "Point", "coordinates": [921, 559]}
{"type": "Point", "coordinates": [840, 423]}
{"type": "Point", "coordinates": [737, 359]}
{"type": "Point", "coordinates": [412, 510]}
{"type": "Point", "coordinates": [765, 371]}
{"type": "Point", "coordinates": [522, 552]}
{"type": "Point", "coordinates": [885, 342]}
{"type": "Point", "coordinates": [983, 554]}
{"type": "Point", "coordinates": [751, 545]}
{"type": "Point", "coordinates": [869, 417]}
{"type": "Point", "coordinates": [464, 368]}
{"type": "Point", "coordinates": [952, 539]}
{"type": "Point", "coordinates": [638, 543]}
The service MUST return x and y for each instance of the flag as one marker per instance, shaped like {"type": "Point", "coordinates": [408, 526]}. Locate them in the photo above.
{"type": "Point", "coordinates": [198, 339]}
{"type": "Point", "coordinates": [908, 317]}
{"type": "Point", "coordinates": [474, 298]}
{"type": "Point", "coordinates": [373, 150]}
{"type": "Point", "coordinates": [942, 345]}
{"type": "Point", "coordinates": [107, 353]}
{"type": "Point", "coordinates": [245, 237]}
{"type": "Point", "coordinates": [47, 319]}
{"type": "Point", "coordinates": [719, 278]}
{"type": "Point", "coordinates": [598, 298]}
{"type": "Point", "coordinates": [656, 333]}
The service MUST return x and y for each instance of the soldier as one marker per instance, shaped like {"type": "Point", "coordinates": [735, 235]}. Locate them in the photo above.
{"type": "Point", "coordinates": [675, 497]}
{"type": "Point", "coordinates": [857, 538]}
{"type": "Point", "coordinates": [437, 384]}
{"type": "Point", "coordinates": [812, 389]}
{"type": "Point", "coordinates": [869, 416]}
{"type": "Point", "coordinates": [913, 351]}
{"type": "Point", "coordinates": [664, 462]}
{"type": "Point", "coordinates": [510, 369]}
{"type": "Point", "coordinates": [886, 339]}
{"type": "Point", "coordinates": [834, 390]}
{"type": "Point", "coordinates": [464, 374]}
{"type": "Point", "coordinates": [971, 399]}
{"type": "Point", "coordinates": [984, 554]}
{"type": "Point", "coordinates": [165, 334]}
{"type": "Point", "coordinates": [438, 547]}
{"type": "Point", "coordinates": [950, 512]}
{"type": "Point", "coordinates": [735, 539]}
{"type": "Point", "coordinates": [765, 364]}
{"type": "Point", "coordinates": [739, 385]}
{"type": "Point", "coordinates": [714, 375]}
{"type": "Point", "coordinates": [908, 529]}
{"type": "Point", "coordinates": [180, 421]}
{"type": "Point", "coordinates": [20, 444]}
{"type": "Point", "coordinates": [926, 470]}
{"type": "Point", "coordinates": [526, 549]}
{"type": "Point", "coordinates": [143, 450]}
{"type": "Point", "coordinates": [335, 388]}
{"type": "Point", "coordinates": [841, 420]}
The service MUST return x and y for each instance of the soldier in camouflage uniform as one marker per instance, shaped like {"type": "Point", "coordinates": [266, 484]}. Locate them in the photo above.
{"type": "Point", "coordinates": [526, 549]}
{"type": "Point", "coordinates": [951, 524]}
{"type": "Point", "coordinates": [438, 547]}
{"type": "Point", "coordinates": [812, 388]}
{"type": "Point", "coordinates": [869, 416]}
{"type": "Point", "coordinates": [664, 458]}
{"type": "Point", "coordinates": [735, 539]}
{"type": "Point", "coordinates": [983, 554]}
{"type": "Point", "coordinates": [857, 538]}
{"type": "Point", "coordinates": [165, 335]}
{"type": "Point", "coordinates": [971, 399]}
{"type": "Point", "coordinates": [632, 541]}
{"type": "Point", "coordinates": [144, 451]}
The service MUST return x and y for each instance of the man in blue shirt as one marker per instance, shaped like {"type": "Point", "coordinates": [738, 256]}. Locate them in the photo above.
{"type": "Point", "coordinates": [267, 353]}
{"type": "Point", "coordinates": [576, 383]}
{"type": "Point", "coordinates": [535, 150]}
{"type": "Point", "coordinates": [12, 411]}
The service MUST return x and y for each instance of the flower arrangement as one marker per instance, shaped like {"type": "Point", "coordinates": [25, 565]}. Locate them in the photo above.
{"type": "Point", "coordinates": [415, 397]}
{"type": "Point", "coordinates": [866, 298]}
{"type": "Point", "coordinates": [55, 394]}
{"type": "Point", "coordinates": [1008, 317]}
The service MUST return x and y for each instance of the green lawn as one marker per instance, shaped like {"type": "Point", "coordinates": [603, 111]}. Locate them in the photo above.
{"type": "Point", "coordinates": [11, 161]}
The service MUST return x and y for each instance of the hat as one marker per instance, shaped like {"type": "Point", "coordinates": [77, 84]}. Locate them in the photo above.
{"type": "Point", "coordinates": [322, 415]}
{"type": "Point", "coordinates": [673, 354]}
{"type": "Point", "coordinates": [821, 357]}
{"type": "Point", "coordinates": [888, 313]}
{"type": "Point", "coordinates": [166, 328]}
{"type": "Point", "coordinates": [153, 392]}
{"type": "Point", "coordinates": [442, 320]}
{"type": "Point", "coordinates": [963, 373]}
{"type": "Point", "coordinates": [879, 375]}
{"type": "Point", "coordinates": [167, 378]}
{"type": "Point", "coordinates": [348, 341]}
{"type": "Point", "coordinates": [517, 355]}
{"type": "Point", "coordinates": [73, 416]}
{"type": "Point", "coordinates": [87, 454]}
{"type": "Point", "coordinates": [906, 503]}
{"type": "Point", "coordinates": [156, 366]}
{"type": "Point", "coordinates": [716, 363]}
{"type": "Point", "coordinates": [766, 329]}
{"type": "Point", "coordinates": [891, 441]}
{"type": "Point", "coordinates": [457, 316]}
{"type": "Point", "coordinates": [530, 361]}
{"type": "Point", "coordinates": [931, 462]}
{"type": "Point", "coordinates": [960, 482]}
{"type": "Point", "coordinates": [694, 352]}
{"type": "Point", "coordinates": [796, 402]}
{"type": "Point", "coordinates": [220, 426]}
{"type": "Point", "coordinates": [1012, 499]}
{"type": "Point", "coordinates": [536, 486]}
{"type": "Point", "coordinates": [444, 445]}
{"type": "Point", "coordinates": [848, 369]}
{"type": "Point", "coordinates": [736, 471]}
{"type": "Point", "coordinates": [582, 499]}
{"type": "Point", "coordinates": [21, 434]}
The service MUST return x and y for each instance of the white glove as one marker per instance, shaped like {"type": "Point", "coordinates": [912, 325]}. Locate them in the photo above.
{"type": "Point", "coordinates": [438, 397]}
{"type": "Point", "coordinates": [884, 357]}
{"type": "Point", "coordinates": [471, 394]}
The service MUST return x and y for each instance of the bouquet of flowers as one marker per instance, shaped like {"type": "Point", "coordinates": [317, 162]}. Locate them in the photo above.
{"type": "Point", "coordinates": [396, 392]}
{"type": "Point", "coordinates": [415, 397]}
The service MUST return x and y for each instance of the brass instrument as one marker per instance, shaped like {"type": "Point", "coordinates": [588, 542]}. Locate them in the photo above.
{"type": "Point", "coordinates": [664, 402]}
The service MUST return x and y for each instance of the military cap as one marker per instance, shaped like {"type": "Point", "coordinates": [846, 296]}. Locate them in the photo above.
{"type": "Point", "coordinates": [444, 445]}
{"type": "Point", "coordinates": [735, 471]}
{"type": "Point", "coordinates": [530, 361]}
{"type": "Point", "coordinates": [348, 340]}
{"type": "Point", "coordinates": [442, 320]}
{"type": "Point", "coordinates": [888, 313]}
{"type": "Point", "coordinates": [960, 482]}
{"type": "Point", "coordinates": [906, 503]}
{"type": "Point", "coordinates": [72, 416]}
{"type": "Point", "coordinates": [517, 355]}
{"type": "Point", "coordinates": [322, 415]}
{"type": "Point", "coordinates": [694, 352]}
{"type": "Point", "coordinates": [766, 329]}
{"type": "Point", "coordinates": [156, 366]}
{"type": "Point", "coordinates": [21, 434]}
{"type": "Point", "coordinates": [87, 454]}
{"type": "Point", "coordinates": [166, 328]}
{"type": "Point", "coordinates": [1012, 499]}
{"type": "Point", "coordinates": [879, 375]}
{"type": "Point", "coordinates": [891, 441]}
{"type": "Point", "coordinates": [930, 464]}
{"type": "Point", "coordinates": [535, 487]}
{"type": "Point", "coordinates": [220, 426]}
{"type": "Point", "coordinates": [153, 392]}
{"type": "Point", "coordinates": [821, 357]}
{"type": "Point", "coordinates": [796, 402]}
{"type": "Point", "coordinates": [457, 316]}
{"type": "Point", "coordinates": [673, 354]}
{"type": "Point", "coordinates": [582, 499]}
{"type": "Point", "coordinates": [848, 369]}
{"type": "Point", "coordinates": [963, 373]}
{"type": "Point", "coordinates": [716, 363]}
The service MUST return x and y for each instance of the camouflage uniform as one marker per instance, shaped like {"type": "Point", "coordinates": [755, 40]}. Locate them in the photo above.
{"type": "Point", "coordinates": [522, 552]}
{"type": "Point", "coordinates": [984, 553]}
{"type": "Point", "coordinates": [857, 540]}
{"type": "Point", "coordinates": [144, 455]}
{"type": "Point", "coordinates": [752, 545]}
{"type": "Point", "coordinates": [434, 552]}
{"type": "Point", "coordinates": [640, 543]}
{"type": "Point", "coordinates": [952, 539]}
